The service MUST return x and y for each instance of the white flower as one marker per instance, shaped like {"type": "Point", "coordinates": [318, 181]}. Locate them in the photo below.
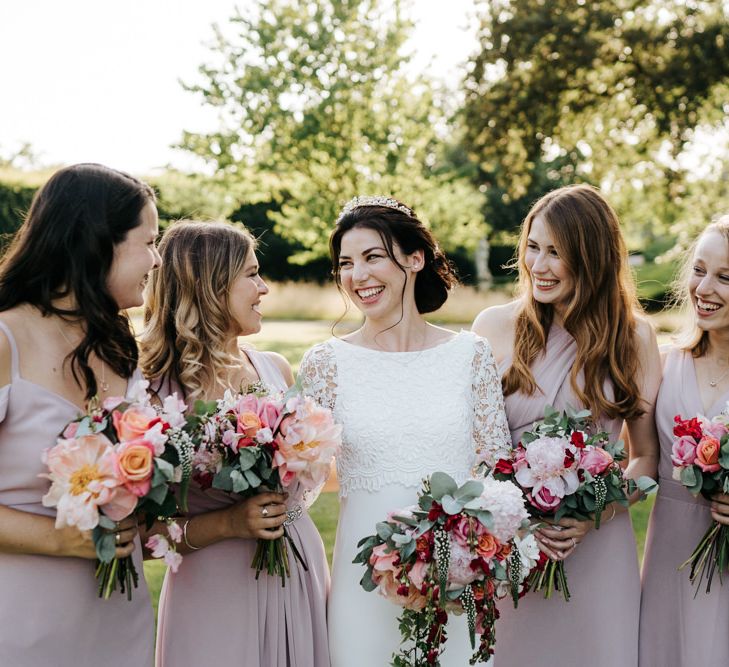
{"type": "Point", "coordinates": [172, 411]}
{"type": "Point", "coordinates": [528, 551]}
{"type": "Point", "coordinates": [138, 392]}
{"type": "Point", "coordinates": [264, 435]}
{"type": "Point", "coordinates": [173, 560]}
{"type": "Point", "coordinates": [505, 501]}
{"type": "Point", "coordinates": [158, 439]}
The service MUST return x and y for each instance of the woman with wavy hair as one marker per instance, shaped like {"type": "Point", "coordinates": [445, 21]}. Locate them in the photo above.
{"type": "Point", "coordinates": [678, 624]}
{"type": "Point", "coordinates": [575, 337]}
{"type": "Point", "coordinates": [413, 399]}
{"type": "Point", "coordinates": [81, 257]}
{"type": "Point", "coordinates": [214, 608]}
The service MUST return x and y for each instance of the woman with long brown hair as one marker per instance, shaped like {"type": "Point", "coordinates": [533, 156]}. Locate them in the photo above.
{"type": "Point", "coordinates": [678, 624]}
{"type": "Point", "coordinates": [575, 337]}
{"type": "Point", "coordinates": [214, 608]}
{"type": "Point", "coordinates": [81, 257]}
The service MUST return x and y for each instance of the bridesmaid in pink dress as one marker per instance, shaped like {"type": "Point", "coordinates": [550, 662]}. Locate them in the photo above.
{"type": "Point", "coordinates": [213, 608]}
{"type": "Point", "coordinates": [575, 337]}
{"type": "Point", "coordinates": [83, 253]}
{"type": "Point", "coordinates": [678, 626]}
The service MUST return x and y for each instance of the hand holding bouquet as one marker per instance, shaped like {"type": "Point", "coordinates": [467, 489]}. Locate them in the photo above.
{"type": "Point", "coordinates": [118, 460]}
{"type": "Point", "coordinates": [457, 551]}
{"type": "Point", "coordinates": [564, 471]}
{"type": "Point", "coordinates": [700, 459]}
{"type": "Point", "coordinates": [253, 441]}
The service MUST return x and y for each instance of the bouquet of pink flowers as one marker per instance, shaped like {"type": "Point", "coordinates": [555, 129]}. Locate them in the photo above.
{"type": "Point", "coordinates": [119, 459]}
{"type": "Point", "coordinates": [457, 551]}
{"type": "Point", "coordinates": [564, 471]}
{"type": "Point", "coordinates": [700, 458]}
{"type": "Point", "coordinates": [255, 440]}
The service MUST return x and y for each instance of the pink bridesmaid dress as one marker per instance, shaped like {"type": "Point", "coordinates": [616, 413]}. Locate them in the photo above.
{"type": "Point", "coordinates": [678, 628]}
{"type": "Point", "coordinates": [599, 625]}
{"type": "Point", "coordinates": [214, 611]}
{"type": "Point", "coordinates": [50, 613]}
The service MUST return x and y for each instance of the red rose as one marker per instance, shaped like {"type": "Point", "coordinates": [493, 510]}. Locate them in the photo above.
{"type": "Point", "coordinates": [504, 467]}
{"type": "Point", "coordinates": [577, 439]}
{"type": "Point", "coordinates": [690, 427]}
{"type": "Point", "coordinates": [435, 512]}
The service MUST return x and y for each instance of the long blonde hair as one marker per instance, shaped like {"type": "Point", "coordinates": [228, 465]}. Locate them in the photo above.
{"type": "Point", "coordinates": [601, 312]}
{"type": "Point", "coordinates": [187, 317]}
{"type": "Point", "coordinates": [690, 337]}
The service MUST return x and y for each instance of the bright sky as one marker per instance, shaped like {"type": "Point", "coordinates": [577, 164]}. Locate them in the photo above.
{"type": "Point", "coordinates": [98, 80]}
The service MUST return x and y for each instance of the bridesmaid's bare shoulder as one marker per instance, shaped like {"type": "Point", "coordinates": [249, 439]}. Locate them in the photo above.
{"type": "Point", "coordinates": [496, 324]}
{"type": "Point", "coordinates": [17, 320]}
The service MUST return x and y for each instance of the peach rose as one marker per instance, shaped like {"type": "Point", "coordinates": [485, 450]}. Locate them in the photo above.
{"type": "Point", "coordinates": [133, 422]}
{"type": "Point", "coordinates": [487, 546]}
{"type": "Point", "coordinates": [249, 424]}
{"type": "Point", "coordinates": [707, 454]}
{"type": "Point", "coordinates": [135, 465]}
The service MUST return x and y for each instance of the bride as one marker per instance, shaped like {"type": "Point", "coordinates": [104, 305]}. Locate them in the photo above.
{"type": "Point", "coordinates": [413, 398]}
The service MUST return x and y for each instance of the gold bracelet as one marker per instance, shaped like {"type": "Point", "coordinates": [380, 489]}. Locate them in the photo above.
{"type": "Point", "coordinates": [184, 536]}
{"type": "Point", "coordinates": [612, 516]}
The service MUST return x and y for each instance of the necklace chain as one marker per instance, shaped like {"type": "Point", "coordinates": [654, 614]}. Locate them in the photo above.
{"type": "Point", "coordinates": [103, 384]}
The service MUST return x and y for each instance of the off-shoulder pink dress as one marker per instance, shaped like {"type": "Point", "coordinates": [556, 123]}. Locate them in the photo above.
{"type": "Point", "coordinates": [50, 613]}
{"type": "Point", "coordinates": [678, 628]}
{"type": "Point", "coordinates": [599, 625]}
{"type": "Point", "coordinates": [214, 611]}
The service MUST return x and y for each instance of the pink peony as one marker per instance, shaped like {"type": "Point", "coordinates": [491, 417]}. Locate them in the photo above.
{"type": "Point", "coordinates": [459, 567]}
{"type": "Point", "coordinates": [173, 559]}
{"type": "Point", "coordinates": [307, 442]}
{"type": "Point", "coordinates": [83, 481]}
{"type": "Point", "coordinates": [595, 460]}
{"type": "Point", "coordinates": [683, 452]}
{"type": "Point", "coordinates": [715, 429]}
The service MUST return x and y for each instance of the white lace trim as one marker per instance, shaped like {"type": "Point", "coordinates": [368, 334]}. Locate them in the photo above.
{"type": "Point", "coordinates": [408, 415]}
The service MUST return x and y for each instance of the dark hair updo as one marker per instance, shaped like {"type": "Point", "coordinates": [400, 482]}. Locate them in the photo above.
{"type": "Point", "coordinates": [398, 224]}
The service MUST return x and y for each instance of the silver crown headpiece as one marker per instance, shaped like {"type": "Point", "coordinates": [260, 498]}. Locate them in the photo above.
{"type": "Point", "coordinates": [374, 200]}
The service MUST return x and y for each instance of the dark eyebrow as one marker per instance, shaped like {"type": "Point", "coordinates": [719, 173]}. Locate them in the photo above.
{"type": "Point", "coordinates": [369, 250]}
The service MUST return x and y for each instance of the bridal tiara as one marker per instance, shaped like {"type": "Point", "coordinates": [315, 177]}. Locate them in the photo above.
{"type": "Point", "coordinates": [376, 200]}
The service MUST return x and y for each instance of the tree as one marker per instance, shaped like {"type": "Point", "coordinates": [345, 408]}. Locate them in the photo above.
{"type": "Point", "coordinates": [615, 89]}
{"type": "Point", "coordinates": [314, 96]}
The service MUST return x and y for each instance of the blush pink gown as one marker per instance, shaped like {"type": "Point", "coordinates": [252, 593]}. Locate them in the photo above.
{"type": "Point", "coordinates": [678, 629]}
{"type": "Point", "coordinates": [50, 613]}
{"type": "Point", "coordinates": [599, 625]}
{"type": "Point", "coordinates": [214, 611]}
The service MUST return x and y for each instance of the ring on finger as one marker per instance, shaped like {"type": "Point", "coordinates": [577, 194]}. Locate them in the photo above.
{"type": "Point", "coordinates": [117, 539]}
{"type": "Point", "coordinates": [264, 511]}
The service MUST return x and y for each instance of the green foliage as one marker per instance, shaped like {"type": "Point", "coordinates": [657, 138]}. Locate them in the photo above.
{"type": "Point", "coordinates": [315, 95]}
{"type": "Point", "coordinates": [611, 92]}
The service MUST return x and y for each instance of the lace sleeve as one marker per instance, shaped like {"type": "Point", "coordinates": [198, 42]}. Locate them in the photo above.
{"type": "Point", "coordinates": [491, 435]}
{"type": "Point", "coordinates": [318, 375]}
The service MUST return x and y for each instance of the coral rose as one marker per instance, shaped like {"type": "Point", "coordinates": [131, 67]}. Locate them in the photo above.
{"type": "Point", "coordinates": [707, 454]}
{"type": "Point", "coordinates": [133, 422]}
{"type": "Point", "coordinates": [595, 460]}
{"type": "Point", "coordinates": [135, 464]}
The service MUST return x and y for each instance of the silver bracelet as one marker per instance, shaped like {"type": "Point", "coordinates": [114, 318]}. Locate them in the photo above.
{"type": "Point", "coordinates": [184, 536]}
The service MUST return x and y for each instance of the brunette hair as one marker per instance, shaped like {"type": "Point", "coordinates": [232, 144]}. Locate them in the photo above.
{"type": "Point", "coordinates": [601, 312]}
{"type": "Point", "coordinates": [187, 315]}
{"type": "Point", "coordinates": [690, 337]}
{"type": "Point", "coordinates": [437, 277]}
{"type": "Point", "coordinates": [65, 248]}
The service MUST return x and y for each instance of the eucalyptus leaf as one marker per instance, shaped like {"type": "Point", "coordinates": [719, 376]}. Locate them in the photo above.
{"type": "Point", "coordinates": [451, 505]}
{"type": "Point", "coordinates": [222, 479]}
{"type": "Point", "coordinates": [384, 530]}
{"type": "Point", "coordinates": [442, 484]}
{"type": "Point", "coordinates": [470, 490]}
{"type": "Point", "coordinates": [105, 544]}
{"type": "Point", "coordinates": [238, 481]}
{"type": "Point", "coordinates": [247, 457]}
{"type": "Point", "coordinates": [400, 539]}
{"type": "Point", "coordinates": [253, 479]}
{"type": "Point", "coordinates": [157, 493]}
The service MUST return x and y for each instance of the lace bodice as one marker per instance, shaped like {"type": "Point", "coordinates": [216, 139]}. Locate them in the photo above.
{"type": "Point", "coordinates": [408, 414]}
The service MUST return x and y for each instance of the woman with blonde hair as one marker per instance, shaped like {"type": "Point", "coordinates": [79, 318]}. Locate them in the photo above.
{"type": "Point", "coordinates": [214, 607]}
{"type": "Point", "coordinates": [679, 625]}
{"type": "Point", "coordinates": [575, 337]}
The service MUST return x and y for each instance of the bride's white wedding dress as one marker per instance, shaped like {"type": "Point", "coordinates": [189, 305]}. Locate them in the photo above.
{"type": "Point", "coordinates": [405, 415]}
